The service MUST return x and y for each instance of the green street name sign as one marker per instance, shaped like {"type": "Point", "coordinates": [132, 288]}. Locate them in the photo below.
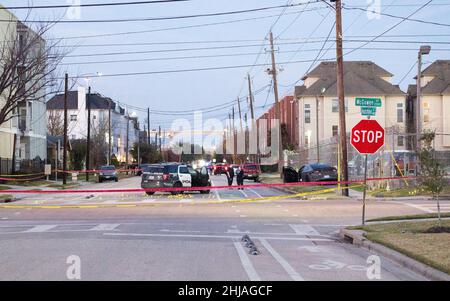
{"type": "Point", "coordinates": [368, 111]}
{"type": "Point", "coordinates": [368, 102]}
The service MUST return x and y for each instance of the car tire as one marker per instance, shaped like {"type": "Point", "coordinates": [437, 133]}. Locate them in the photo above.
{"type": "Point", "coordinates": [307, 178]}
{"type": "Point", "coordinates": [100, 180]}
{"type": "Point", "coordinates": [116, 179]}
{"type": "Point", "coordinates": [177, 185]}
{"type": "Point", "coordinates": [150, 192]}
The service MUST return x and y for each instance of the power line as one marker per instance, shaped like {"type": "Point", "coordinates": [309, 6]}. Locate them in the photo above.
{"type": "Point", "coordinates": [172, 17]}
{"type": "Point", "coordinates": [396, 17]}
{"type": "Point", "coordinates": [176, 27]}
{"type": "Point", "coordinates": [91, 4]}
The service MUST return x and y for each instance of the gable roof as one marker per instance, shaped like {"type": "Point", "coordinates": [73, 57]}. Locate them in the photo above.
{"type": "Point", "coordinates": [364, 68]}
{"type": "Point", "coordinates": [97, 101]}
{"type": "Point", "coordinates": [440, 70]}
{"type": "Point", "coordinates": [354, 84]}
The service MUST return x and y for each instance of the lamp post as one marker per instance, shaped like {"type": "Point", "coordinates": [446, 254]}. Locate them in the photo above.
{"type": "Point", "coordinates": [425, 49]}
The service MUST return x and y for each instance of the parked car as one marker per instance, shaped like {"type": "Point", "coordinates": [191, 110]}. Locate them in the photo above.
{"type": "Point", "coordinates": [152, 177]}
{"type": "Point", "coordinates": [220, 168]}
{"type": "Point", "coordinates": [317, 172]}
{"type": "Point", "coordinates": [107, 172]}
{"type": "Point", "coordinates": [169, 175]}
{"type": "Point", "coordinates": [251, 171]}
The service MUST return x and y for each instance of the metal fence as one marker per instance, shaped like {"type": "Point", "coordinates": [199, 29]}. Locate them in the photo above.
{"type": "Point", "coordinates": [23, 166]}
{"type": "Point", "coordinates": [392, 160]}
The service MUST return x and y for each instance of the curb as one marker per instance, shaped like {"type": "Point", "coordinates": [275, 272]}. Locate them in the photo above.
{"type": "Point", "coordinates": [356, 237]}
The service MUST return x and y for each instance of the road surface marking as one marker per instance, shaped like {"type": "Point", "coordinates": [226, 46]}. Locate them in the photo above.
{"type": "Point", "coordinates": [105, 227]}
{"type": "Point", "coordinates": [260, 196]}
{"type": "Point", "coordinates": [303, 229]}
{"type": "Point", "coordinates": [418, 207]}
{"type": "Point", "coordinates": [286, 266]}
{"type": "Point", "coordinates": [40, 228]}
{"type": "Point", "coordinates": [246, 263]}
{"type": "Point", "coordinates": [212, 236]}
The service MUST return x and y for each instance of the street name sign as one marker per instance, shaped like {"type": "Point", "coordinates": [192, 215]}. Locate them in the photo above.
{"type": "Point", "coordinates": [368, 111]}
{"type": "Point", "coordinates": [367, 137]}
{"type": "Point", "coordinates": [368, 102]}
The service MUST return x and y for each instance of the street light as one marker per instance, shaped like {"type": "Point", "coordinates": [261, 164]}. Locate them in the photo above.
{"type": "Point", "coordinates": [423, 50]}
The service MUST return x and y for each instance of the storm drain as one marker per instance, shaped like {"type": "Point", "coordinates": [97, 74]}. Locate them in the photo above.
{"type": "Point", "coordinates": [248, 243]}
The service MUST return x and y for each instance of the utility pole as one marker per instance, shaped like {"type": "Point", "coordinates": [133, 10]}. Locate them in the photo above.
{"type": "Point", "coordinates": [317, 129]}
{"type": "Point", "coordinates": [234, 138]}
{"type": "Point", "coordinates": [128, 140]}
{"type": "Point", "coordinates": [341, 96]}
{"type": "Point", "coordinates": [148, 125]}
{"type": "Point", "coordinates": [109, 132]}
{"type": "Point", "coordinates": [88, 133]}
{"type": "Point", "coordinates": [66, 84]}
{"type": "Point", "coordinates": [240, 114]}
{"type": "Point", "coordinates": [159, 135]}
{"type": "Point", "coordinates": [252, 115]}
{"type": "Point", "coordinates": [274, 72]}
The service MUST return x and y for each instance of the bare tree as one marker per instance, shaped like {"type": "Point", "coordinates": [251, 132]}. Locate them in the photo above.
{"type": "Point", "coordinates": [28, 65]}
{"type": "Point", "coordinates": [55, 123]}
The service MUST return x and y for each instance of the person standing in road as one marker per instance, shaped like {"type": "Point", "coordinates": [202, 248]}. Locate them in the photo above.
{"type": "Point", "coordinates": [230, 175]}
{"type": "Point", "coordinates": [240, 178]}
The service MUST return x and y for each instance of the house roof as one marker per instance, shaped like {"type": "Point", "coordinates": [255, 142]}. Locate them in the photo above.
{"type": "Point", "coordinates": [440, 70]}
{"type": "Point", "coordinates": [355, 83]}
{"type": "Point", "coordinates": [364, 68]}
{"type": "Point", "coordinates": [97, 101]}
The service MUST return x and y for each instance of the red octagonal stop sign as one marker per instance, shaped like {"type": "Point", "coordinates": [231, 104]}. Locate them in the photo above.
{"type": "Point", "coordinates": [367, 136]}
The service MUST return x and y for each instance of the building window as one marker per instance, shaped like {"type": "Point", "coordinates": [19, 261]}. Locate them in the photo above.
{"type": "Point", "coordinates": [335, 105]}
{"type": "Point", "coordinates": [73, 117]}
{"type": "Point", "coordinates": [400, 141]}
{"type": "Point", "coordinates": [307, 113]}
{"type": "Point", "coordinates": [334, 130]}
{"type": "Point", "coordinates": [400, 112]}
{"type": "Point", "coordinates": [426, 112]}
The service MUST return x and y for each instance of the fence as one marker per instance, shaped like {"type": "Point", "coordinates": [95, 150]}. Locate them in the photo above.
{"type": "Point", "coordinates": [23, 166]}
{"type": "Point", "coordinates": [393, 159]}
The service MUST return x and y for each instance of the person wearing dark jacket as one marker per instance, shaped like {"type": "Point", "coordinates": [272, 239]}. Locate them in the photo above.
{"type": "Point", "coordinates": [240, 178]}
{"type": "Point", "coordinates": [230, 176]}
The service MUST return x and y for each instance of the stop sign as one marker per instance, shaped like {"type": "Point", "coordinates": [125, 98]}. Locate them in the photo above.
{"type": "Point", "coordinates": [367, 136]}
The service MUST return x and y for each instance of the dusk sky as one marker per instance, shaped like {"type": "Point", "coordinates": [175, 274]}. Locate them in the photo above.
{"type": "Point", "coordinates": [199, 89]}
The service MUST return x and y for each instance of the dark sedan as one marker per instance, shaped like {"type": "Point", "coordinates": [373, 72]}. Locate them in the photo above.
{"type": "Point", "coordinates": [317, 172]}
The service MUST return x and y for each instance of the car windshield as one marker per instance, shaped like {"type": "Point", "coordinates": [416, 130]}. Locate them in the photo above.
{"type": "Point", "coordinates": [171, 169]}
{"type": "Point", "coordinates": [153, 169]}
{"type": "Point", "coordinates": [184, 169]}
{"type": "Point", "coordinates": [107, 168]}
{"type": "Point", "coordinates": [320, 166]}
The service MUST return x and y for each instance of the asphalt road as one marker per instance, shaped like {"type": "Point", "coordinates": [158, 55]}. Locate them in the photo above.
{"type": "Point", "coordinates": [192, 237]}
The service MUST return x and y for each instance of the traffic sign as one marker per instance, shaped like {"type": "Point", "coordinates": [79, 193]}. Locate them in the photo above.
{"type": "Point", "coordinates": [367, 137]}
{"type": "Point", "coordinates": [368, 111]}
{"type": "Point", "coordinates": [368, 102]}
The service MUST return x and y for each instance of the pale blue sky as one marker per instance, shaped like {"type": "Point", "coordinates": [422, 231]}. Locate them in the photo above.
{"type": "Point", "coordinates": [191, 90]}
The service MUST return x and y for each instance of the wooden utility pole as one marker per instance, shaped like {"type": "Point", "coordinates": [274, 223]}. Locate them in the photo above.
{"type": "Point", "coordinates": [341, 96]}
{"type": "Point", "coordinates": [159, 135]}
{"type": "Point", "coordinates": [252, 115]}
{"type": "Point", "coordinates": [66, 84]}
{"type": "Point", "coordinates": [317, 129]}
{"type": "Point", "coordinates": [88, 102]}
{"type": "Point", "coordinates": [274, 72]}
{"type": "Point", "coordinates": [240, 113]}
{"type": "Point", "coordinates": [148, 125]}
{"type": "Point", "coordinates": [109, 132]}
{"type": "Point", "coordinates": [128, 140]}
{"type": "Point", "coordinates": [234, 138]}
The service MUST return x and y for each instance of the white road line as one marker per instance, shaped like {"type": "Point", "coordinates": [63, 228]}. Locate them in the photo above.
{"type": "Point", "coordinates": [212, 236]}
{"type": "Point", "coordinates": [246, 263]}
{"type": "Point", "coordinates": [40, 228]}
{"type": "Point", "coordinates": [105, 227]}
{"type": "Point", "coordinates": [286, 266]}
{"type": "Point", "coordinates": [303, 229]}
{"type": "Point", "coordinates": [418, 207]}
{"type": "Point", "coordinates": [260, 196]}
